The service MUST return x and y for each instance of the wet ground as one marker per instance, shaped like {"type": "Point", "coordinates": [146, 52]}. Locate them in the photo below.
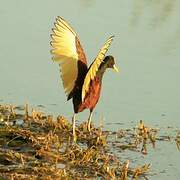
{"type": "Point", "coordinates": [37, 145]}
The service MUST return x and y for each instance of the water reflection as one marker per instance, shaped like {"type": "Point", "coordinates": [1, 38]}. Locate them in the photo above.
{"type": "Point", "coordinates": [137, 11]}
{"type": "Point", "coordinates": [158, 11]}
{"type": "Point", "coordinates": [157, 19]}
{"type": "Point", "coordinates": [87, 3]}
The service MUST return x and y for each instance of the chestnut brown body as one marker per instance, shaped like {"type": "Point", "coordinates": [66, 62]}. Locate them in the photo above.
{"type": "Point", "coordinates": [91, 97]}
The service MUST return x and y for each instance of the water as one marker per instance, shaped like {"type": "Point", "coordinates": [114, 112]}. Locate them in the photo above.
{"type": "Point", "coordinates": [146, 49]}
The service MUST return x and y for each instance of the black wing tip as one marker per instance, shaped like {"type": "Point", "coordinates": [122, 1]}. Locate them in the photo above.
{"type": "Point", "coordinates": [112, 37]}
{"type": "Point", "coordinates": [55, 24]}
{"type": "Point", "coordinates": [51, 43]}
{"type": "Point", "coordinates": [60, 18]}
{"type": "Point", "coordinates": [53, 29]}
{"type": "Point", "coordinates": [52, 37]}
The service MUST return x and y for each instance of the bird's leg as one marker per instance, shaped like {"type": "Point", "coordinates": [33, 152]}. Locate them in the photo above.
{"type": "Point", "coordinates": [74, 126]}
{"type": "Point", "coordinates": [89, 121]}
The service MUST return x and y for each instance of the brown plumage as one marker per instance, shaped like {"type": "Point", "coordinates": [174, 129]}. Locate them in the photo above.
{"type": "Point", "coordinates": [81, 83]}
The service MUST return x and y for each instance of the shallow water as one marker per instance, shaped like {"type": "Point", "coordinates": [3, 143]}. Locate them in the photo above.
{"type": "Point", "coordinates": [146, 49]}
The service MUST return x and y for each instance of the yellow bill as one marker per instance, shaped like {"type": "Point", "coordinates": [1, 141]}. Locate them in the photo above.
{"type": "Point", "coordinates": [115, 68]}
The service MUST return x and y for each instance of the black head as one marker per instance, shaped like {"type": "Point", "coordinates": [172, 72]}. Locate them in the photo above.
{"type": "Point", "coordinates": [110, 63]}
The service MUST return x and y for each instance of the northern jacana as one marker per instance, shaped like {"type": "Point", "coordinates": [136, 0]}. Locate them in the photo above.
{"type": "Point", "coordinates": [81, 83]}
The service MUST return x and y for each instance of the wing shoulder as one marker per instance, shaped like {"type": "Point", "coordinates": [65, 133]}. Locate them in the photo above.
{"type": "Point", "coordinates": [95, 66]}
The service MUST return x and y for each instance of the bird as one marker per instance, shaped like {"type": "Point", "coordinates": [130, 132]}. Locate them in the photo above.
{"type": "Point", "coordinates": [81, 83]}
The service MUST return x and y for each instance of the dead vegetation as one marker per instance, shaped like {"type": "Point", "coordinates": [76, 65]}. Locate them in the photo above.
{"type": "Point", "coordinates": [178, 140]}
{"type": "Point", "coordinates": [34, 145]}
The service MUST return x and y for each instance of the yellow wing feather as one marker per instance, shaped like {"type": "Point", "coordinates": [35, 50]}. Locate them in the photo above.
{"type": "Point", "coordinates": [65, 52]}
{"type": "Point", "coordinates": [94, 67]}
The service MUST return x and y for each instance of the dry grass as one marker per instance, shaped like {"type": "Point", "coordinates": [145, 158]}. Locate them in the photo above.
{"type": "Point", "coordinates": [38, 146]}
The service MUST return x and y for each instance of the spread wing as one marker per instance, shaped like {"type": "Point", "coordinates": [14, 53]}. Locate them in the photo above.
{"type": "Point", "coordinates": [67, 51]}
{"type": "Point", "coordinates": [95, 66]}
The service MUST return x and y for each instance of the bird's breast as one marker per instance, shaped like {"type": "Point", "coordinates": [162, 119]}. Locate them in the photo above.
{"type": "Point", "coordinates": [93, 94]}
